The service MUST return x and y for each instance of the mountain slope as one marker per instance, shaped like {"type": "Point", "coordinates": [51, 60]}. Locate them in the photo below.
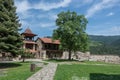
{"type": "Point", "coordinates": [105, 44]}
{"type": "Point", "coordinates": [104, 39]}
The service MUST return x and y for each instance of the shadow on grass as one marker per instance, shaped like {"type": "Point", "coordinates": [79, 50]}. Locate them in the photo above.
{"type": "Point", "coordinates": [60, 60]}
{"type": "Point", "coordinates": [9, 65]}
{"type": "Point", "coordinates": [97, 76]}
{"type": "Point", "coordinates": [25, 62]}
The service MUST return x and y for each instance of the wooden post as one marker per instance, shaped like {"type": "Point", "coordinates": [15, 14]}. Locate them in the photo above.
{"type": "Point", "coordinates": [32, 67]}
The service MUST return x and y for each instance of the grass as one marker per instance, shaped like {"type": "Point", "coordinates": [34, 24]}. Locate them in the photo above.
{"type": "Point", "coordinates": [88, 71]}
{"type": "Point", "coordinates": [60, 60]}
{"type": "Point", "coordinates": [64, 61]}
{"type": "Point", "coordinates": [98, 63]}
{"type": "Point", "coordinates": [15, 71]}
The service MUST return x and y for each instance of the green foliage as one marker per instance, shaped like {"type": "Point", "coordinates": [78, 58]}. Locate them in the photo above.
{"type": "Point", "coordinates": [10, 39]}
{"type": "Point", "coordinates": [25, 54]}
{"type": "Point", "coordinates": [105, 45]}
{"type": "Point", "coordinates": [71, 31]}
{"type": "Point", "coordinates": [95, 43]}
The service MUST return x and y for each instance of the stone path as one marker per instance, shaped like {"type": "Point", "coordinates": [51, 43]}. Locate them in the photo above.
{"type": "Point", "coordinates": [46, 73]}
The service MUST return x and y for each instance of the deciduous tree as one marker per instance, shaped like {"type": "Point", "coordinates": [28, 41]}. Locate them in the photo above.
{"type": "Point", "coordinates": [71, 32]}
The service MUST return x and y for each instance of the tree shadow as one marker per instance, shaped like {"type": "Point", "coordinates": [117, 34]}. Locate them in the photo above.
{"type": "Point", "coordinates": [100, 76]}
{"type": "Point", "coordinates": [9, 65]}
{"type": "Point", "coordinates": [60, 60]}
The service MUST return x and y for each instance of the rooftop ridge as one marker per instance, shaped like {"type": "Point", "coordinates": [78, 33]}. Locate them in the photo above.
{"type": "Point", "coordinates": [29, 32]}
{"type": "Point", "coordinates": [49, 40]}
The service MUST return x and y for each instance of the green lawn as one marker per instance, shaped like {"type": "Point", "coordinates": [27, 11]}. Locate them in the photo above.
{"type": "Point", "coordinates": [15, 71]}
{"type": "Point", "coordinates": [60, 60]}
{"type": "Point", "coordinates": [88, 71]}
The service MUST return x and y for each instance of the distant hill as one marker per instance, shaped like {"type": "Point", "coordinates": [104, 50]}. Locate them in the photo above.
{"type": "Point", "coordinates": [104, 44]}
{"type": "Point", "coordinates": [116, 43]}
{"type": "Point", "coordinates": [104, 39]}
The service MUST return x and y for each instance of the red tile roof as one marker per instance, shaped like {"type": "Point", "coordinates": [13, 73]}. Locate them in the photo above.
{"type": "Point", "coordinates": [49, 40]}
{"type": "Point", "coordinates": [29, 32]}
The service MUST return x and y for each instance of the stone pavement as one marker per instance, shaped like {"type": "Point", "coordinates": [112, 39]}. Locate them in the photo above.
{"type": "Point", "coordinates": [46, 73]}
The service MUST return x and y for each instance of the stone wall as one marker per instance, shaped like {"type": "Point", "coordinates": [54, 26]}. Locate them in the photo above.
{"type": "Point", "coordinates": [105, 58]}
{"type": "Point", "coordinates": [81, 56]}
{"type": "Point", "coordinates": [89, 57]}
{"type": "Point", "coordinates": [65, 55]}
{"type": "Point", "coordinates": [77, 55]}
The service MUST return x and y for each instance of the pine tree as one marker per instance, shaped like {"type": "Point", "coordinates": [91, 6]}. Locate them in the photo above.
{"type": "Point", "coordinates": [10, 39]}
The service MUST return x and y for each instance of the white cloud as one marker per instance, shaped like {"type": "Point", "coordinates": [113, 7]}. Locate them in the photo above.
{"type": "Point", "coordinates": [87, 1]}
{"type": "Point", "coordinates": [110, 14]}
{"type": "Point", "coordinates": [48, 6]}
{"type": "Point", "coordinates": [115, 30]}
{"type": "Point", "coordinates": [25, 5]}
{"type": "Point", "coordinates": [50, 16]}
{"type": "Point", "coordinates": [100, 6]}
{"type": "Point", "coordinates": [24, 23]}
{"type": "Point", "coordinates": [47, 25]}
{"type": "Point", "coordinates": [80, 3]}
{"type": "Point", "coordinates": [22, 6]}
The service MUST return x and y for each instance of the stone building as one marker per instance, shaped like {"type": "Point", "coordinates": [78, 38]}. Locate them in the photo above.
{"type": "Point", "coordinates": [47, 48]}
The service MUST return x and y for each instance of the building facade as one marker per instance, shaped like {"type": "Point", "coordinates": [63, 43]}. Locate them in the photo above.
{"type": "Point", "coordinates": [29, 42]}
{"type": "Point", "coordinates": [48, 49]}
{"type": "Point", "coordinates": [43, 48]}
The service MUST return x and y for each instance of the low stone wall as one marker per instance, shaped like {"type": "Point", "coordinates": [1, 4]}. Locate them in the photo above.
{"type": "Point", "coordinates": [5, 59]}
{"type": "Point", "coordinates": [105, 58]}
{"type": "Point", "coordinates": [81, 56]}
{"type": "Point", "coordinates": [78, 55]}
{"type": "Point", "coordinates": [89, 57]}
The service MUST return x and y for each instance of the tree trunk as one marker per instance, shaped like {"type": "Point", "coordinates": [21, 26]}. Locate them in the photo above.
{"type": "Point", "coordinates": [23, 59]}
{"type": "Point", "coordinates": [69, 57]}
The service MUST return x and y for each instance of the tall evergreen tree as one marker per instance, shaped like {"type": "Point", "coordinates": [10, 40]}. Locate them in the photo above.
{"type": "Point", "coordinates": [71, 32]}
{"type": "Point", "coordinates": [10, 39]}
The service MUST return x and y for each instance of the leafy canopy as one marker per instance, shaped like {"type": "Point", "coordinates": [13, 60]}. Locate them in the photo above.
{"type": "Point", "coordinates": [71, 31]}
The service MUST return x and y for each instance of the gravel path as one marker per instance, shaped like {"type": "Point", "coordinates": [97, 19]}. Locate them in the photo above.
{"type": "Point", "coordinates": [46, 73]}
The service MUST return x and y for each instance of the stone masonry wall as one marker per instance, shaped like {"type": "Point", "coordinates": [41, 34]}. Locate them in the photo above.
{"type": "Point", "coordinates": [105, 58]}
{"type": "Point", "coordinates": [89, 57]}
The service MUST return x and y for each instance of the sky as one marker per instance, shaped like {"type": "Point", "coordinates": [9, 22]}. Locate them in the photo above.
{"type": "Point", "coordinates": [39, 15]}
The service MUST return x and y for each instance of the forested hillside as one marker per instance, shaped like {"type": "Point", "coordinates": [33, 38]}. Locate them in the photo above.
{"type": "Point", "coordinates": [104, 44]}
